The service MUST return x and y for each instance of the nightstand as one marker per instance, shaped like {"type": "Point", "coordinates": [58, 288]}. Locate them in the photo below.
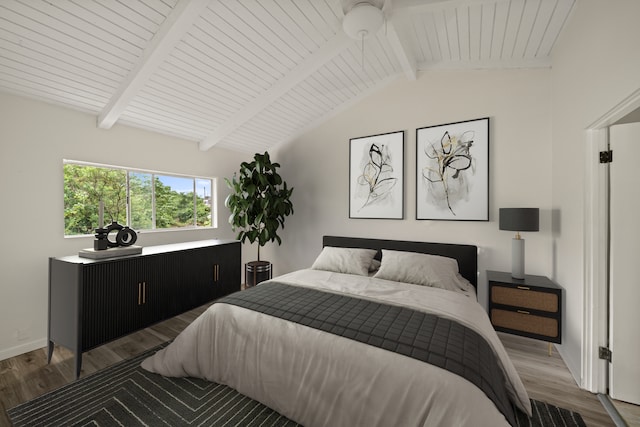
{"type": "Point", "coordinates": [530, 307]}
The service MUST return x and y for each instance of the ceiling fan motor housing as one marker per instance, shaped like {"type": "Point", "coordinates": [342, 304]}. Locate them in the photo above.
{"type": "Point", "coordinates": [362, 21]}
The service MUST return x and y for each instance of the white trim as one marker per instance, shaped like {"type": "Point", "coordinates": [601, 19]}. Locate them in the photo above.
{"type": "Point", "coordinates": [134, 169]}
{"type": "Point", "coordinates": [624, 107]}
{"type": "Point", "coordinates": [596, 235]}
{"type": "Point", "coordinates": [23, 348]}
{"type": "Point", "coordinates": [213, 200]}
{"type": "Point", "coordinates": [488, 64]}
{"type": "Point", "coordinates": [595, 264]}
{"type": "Point", "coordinates": [421, 6]}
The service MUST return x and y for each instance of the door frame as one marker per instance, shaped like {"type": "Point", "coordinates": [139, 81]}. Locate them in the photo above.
{"type": "Point", "coordinates": [594, 371]}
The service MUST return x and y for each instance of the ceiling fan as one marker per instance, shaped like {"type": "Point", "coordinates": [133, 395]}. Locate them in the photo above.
{"type": "Point", "coordinates": [364, 18]}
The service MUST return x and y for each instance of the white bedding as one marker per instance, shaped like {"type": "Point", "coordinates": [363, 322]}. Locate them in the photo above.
{"type": "Point", "coordinates": [320, 379]}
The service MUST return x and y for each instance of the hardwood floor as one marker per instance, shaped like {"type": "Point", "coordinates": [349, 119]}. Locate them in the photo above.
{"type": "Point", "coordinates": [27, 376]}
{"type": "Point", "coordinates": [548, 379]}
{"type": "Point", "coordinates": [630, 413]}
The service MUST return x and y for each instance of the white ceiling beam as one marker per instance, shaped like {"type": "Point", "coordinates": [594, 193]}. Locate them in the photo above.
{"type": "Point", "coordinates": [334, 46]}
{"type": "Point", "coordinates": [400, 45]}
{"type": "Point", "coordinates": [179, 21]}
{"type": "Point", "coordinates": [485, 64]}
{"type": "Point", "coordinates": [376, 86]}
{"type": "Point", "coordinates": [425, 6]}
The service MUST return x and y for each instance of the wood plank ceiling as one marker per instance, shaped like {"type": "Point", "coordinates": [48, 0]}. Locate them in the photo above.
{"type": "Point", "coordinates": [248, 74]}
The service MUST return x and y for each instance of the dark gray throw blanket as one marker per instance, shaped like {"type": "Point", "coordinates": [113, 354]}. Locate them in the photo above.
{"type": "Point", "coordinates": [422, 336]}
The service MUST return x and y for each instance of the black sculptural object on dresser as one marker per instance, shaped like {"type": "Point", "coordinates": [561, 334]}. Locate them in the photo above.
{"type": "Point", "coordinates": [103, 247]}
{"type": "Point", "coordinates": [101, 243]}
{"type": "Point", "coordinates": [125, 236]}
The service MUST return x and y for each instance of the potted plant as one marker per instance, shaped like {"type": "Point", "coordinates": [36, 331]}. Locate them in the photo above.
{"type": "Point", "coordinates": [259, 202]}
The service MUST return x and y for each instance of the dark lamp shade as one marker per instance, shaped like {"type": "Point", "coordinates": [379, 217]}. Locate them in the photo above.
{"type": "Point", "coordinates": [519, 219]}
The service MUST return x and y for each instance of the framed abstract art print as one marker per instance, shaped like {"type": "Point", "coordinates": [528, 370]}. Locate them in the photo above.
{"type": "Point", "coordinates": [452, 171]}
{"type": "Point", "coordinates": [376, 176]}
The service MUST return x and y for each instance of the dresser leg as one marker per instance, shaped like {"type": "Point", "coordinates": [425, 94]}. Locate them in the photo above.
{"type": "Point", "coordinates": [49, 351]}
{"type": "Point", "coordinates": [78, 364]}
{"type": "Point", "coordinates": [549, 349]}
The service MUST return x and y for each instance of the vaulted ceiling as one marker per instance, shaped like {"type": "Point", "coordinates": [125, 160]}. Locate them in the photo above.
{"type": "Point", "coordinates": [248, 74]}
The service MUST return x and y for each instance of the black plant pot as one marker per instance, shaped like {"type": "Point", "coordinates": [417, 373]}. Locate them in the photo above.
{"type": "Point", "coordinates": [256, 272]}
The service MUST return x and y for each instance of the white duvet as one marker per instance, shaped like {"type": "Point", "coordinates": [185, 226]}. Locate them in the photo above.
{"type": "Point", "coordinates": [320, 379]}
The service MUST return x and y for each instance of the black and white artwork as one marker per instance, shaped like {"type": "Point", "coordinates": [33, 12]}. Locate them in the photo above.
{"type": "Point", "coordinates": [376, 176]}
{"type": "Point", "coordinates": [452, 171]}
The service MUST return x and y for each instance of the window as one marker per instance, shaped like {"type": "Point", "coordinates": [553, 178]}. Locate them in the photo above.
{"type": "Point", "coordinates": [143, 200]}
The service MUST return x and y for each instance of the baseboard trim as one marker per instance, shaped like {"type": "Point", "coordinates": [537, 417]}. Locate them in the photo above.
{"type": "Point", "coordinates": [574, 369]}
{"type": "Point", "coordinates": [22, 348]}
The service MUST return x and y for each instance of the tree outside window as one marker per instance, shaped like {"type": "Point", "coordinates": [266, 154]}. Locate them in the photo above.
{"type": "Point", "coordinates": [156, 201]}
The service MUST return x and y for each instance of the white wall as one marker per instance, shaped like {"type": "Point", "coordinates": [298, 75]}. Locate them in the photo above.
{"type": "Point", "coordinates": [518, 104]}
{"type": "Point", "coordinates": [537, 155]}
{"type": "Point", "coordinates": [34, 138]}
{"type": "Point", "coordinates": [596, 64]}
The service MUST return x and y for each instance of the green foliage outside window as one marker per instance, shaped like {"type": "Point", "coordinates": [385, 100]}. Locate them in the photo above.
{"type": "Point", "coordinates": [85, 186]}
{"type": "Point", "coordinates": [141, 200]}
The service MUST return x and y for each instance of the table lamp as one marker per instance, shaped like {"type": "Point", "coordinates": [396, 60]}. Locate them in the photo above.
{"type": "Point", "coordinates": [518, 219]}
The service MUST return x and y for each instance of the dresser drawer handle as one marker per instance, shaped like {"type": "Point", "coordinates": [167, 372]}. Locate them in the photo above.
{"type": "Point", "coordinates": [524, 288]}
{"type": "Point", "coordinates": [523, 312]}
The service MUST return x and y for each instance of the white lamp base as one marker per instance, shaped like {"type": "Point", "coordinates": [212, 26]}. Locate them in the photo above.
{"type": "Point", "coordinates": [517, 258]}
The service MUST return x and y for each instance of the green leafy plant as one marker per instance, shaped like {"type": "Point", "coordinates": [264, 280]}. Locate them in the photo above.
{"type": "Point", "coordinates": [259, 201]}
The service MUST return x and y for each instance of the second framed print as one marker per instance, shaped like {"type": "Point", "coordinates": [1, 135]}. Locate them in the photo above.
{"type": "Point", "coordinates": [452, 171]}
{"type": "Point", "coordinates": [376, 176]}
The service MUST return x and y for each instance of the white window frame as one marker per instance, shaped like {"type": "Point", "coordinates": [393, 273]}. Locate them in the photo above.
{"type": "Point", "coordinates": [154, 173]}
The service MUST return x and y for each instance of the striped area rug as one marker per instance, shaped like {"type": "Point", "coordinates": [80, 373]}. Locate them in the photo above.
{"type": "Point", "coordinates": [545, 415]}
{"type": "Point", "coordinates": [127, 395]}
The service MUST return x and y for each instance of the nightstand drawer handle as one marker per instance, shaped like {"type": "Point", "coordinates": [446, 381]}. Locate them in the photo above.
{"type": "Point", "coordinates": [524, 288]}
{"type": "Point", "coordinates": [523, 312]}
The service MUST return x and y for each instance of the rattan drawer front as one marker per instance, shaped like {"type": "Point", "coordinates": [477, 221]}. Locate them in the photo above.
{"type": "Point", "coordinates": [525, 298]}
{"type": "Point", "coordinates": [530, 323]}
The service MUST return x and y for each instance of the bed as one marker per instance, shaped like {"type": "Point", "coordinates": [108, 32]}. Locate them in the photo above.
{"type": "Point", "coordinates": [375, 333]}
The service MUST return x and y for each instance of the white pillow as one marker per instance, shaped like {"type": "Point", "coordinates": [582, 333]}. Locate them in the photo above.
{"type": "Point", "coordinates": [422, 269]}
{"type": "Point", "coordinates": [345, 260]}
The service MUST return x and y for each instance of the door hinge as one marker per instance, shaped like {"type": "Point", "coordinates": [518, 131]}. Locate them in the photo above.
{"type": "Point", "coordinates": [604, 353]}
{"type": "Point", "coordinates": [606, 156]}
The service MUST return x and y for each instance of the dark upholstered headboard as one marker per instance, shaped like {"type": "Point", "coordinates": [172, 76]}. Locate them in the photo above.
{"type": "Point", "coordinates": [466, 255]}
